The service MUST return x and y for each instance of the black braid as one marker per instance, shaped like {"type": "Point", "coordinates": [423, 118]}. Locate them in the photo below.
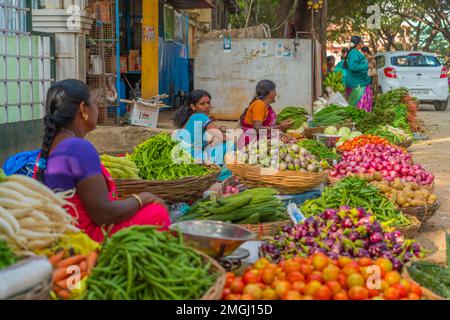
{"type": "Point", "coordinates": [185, 112]}
{"type": "Point", "coordinates": [62, 104]}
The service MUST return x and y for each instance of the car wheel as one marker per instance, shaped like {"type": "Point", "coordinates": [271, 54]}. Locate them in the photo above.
{"type": "Point", "coordinates": [440, 105]}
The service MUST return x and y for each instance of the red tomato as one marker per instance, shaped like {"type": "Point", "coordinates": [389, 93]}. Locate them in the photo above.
{"type": "Point", "coordinates": [365, 262]}
{"type": "Point", "coordinates": [320, 261]}
{"type": "Point", "coordinates": [299, 286]}
{"type": "Point", "coordinates": [292, 295]}
{"type": "Point", "coordinates": [252, 276]}
{"type": "Point", "coordinates": [334, 286]}
{"type": "Point", "coordinates": [282, 287]}
{"type": "Point", "coordinates": [281, 276]}
{"type": "Point", "coordinates": [342, 295]}
{"type": "Point", "coordinates": [312, 287]}
{"type": "Point", "coordinates": [237, 286]}
{"type": "Point", "coordinates": [385, 265]}
{"type": "Point", "coordinates": [247, 296]}
{"type": "Point", "coordinates": [308, 297]}
{"type": "Point", "coordinates": [355, 280]}
{"type": "Point", "coordinates": [406, 284]}
{"type": "Point", "coordinates": [391, 293]}
{"type": "Point", "coordinates": [268, 276]}
{"type": "Point", "coordinates": [316, 275]}
{"type": "Point", "coordinates": [348, 270]}
{"type": "Point", "coordinates": [330, 273]}
{"type": "Point", "coordinates": [392, 277]}
{"type": "Point", "coordinates": [416, 289]}
{"type": "Point", "coordinates": [261, 263]}
{"type": "Point", "coordinates": [295, 276]}
{"type": "Point", "coordinates": [384, 285]}
{"type": "Point", "coordinates": [403, 293]}
{"type": "Point", "coordinates": [323, 293]}
{"type": "Point", "coordinates": [373, 292]}
{"type": "Point", "coordinates": [342, 281]}
{"type": "Point", "coordinates": [306, 269]}
{"type": "Point", "coordinates": [358, 293]}
{"type": "Point", "coordinates": [233, 296]}
{"type": "Point", "coordinates": [377, 298]}
{"type": "Point", "coordinates": [269, 294]}
{"type": "Point", "coordinates": [225, 293]}
{"type": "Point", "coordinates": [413, 296]}
{"type": "Point", "coordinates": [291, 266]}
{"type": "Point", "coordinates": [254, 290]}
{"type": "Point", "coordinates": [229, 279]}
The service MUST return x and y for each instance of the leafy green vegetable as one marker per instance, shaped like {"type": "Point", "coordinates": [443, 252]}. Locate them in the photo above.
{"type": "Point", "coordinates": [391, 99]}
{"type": "Point", "coordinates": [376, 118]}
{"type": "Point", "coordinates": [319, 150]}
{"type": "Point", "coordinates": [7, 257]}
{"type": "Point", "coordinates": [2, 176]}
{"type": "Point", "coordinates": [297, 114]}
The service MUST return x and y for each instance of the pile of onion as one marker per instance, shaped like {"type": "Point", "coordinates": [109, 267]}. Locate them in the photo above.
{"type": "Point", "coordinates": [392, 162]}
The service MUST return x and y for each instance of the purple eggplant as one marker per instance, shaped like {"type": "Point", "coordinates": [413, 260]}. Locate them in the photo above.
{"type": "Point", "coordinates": [344, 208]}
{"type": "Point", "coordinates": [376, 237]}
{"type": "Point", "coordinates": [360, 253]}
{"type": "Point", "coordinates": [397, 249]}
{"type": "Point", "coordinates": [396, 264]}
{"type": "Point", "coordinates": [333, 255]}
{"type": "Point", "coordinates": [347, 223]}
{"type": "Point", "coordinates": [353, 236]}
{"type": "Point", "coordinates": [330, 213]}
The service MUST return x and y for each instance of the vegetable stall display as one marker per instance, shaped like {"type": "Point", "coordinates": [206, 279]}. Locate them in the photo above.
{"type": "Point", "coordinates": [357, 193]}
{"type": "Point", "coordinates": [297, 114]}
{"type": "Point", "coordinates": [141, 263]}
{"type": "Point", "coordinates": [392, 162]}
{"type": "Point", "coordinates": [344, 232]}
{"type": "Point", "coordinates": [32, 216]}
{"type": "Point", "coordinates": [252, 206]}
{"type": "Point", "coordinates": [318, 277]}
{"type": "Point", "coordinates": [154, 159]}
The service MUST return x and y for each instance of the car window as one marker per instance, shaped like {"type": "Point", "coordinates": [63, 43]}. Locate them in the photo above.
{"type": "Point", "coordinates": [415, 61]}
{"type": "Point", "coordinates": [381, 62]}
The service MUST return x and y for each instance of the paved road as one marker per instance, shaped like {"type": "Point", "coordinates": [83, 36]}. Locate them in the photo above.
{"type": "Point", "coordinates": [434, 155]}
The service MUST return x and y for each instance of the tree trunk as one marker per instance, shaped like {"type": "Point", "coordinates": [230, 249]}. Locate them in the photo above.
{"type": "Point", "coordinates": [284, 8]}
{"type": "Point", "coordinates": [302, 17]}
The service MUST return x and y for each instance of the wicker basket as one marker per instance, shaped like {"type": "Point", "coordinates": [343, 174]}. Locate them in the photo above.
{"type": "Point", "coordinates": [405, 144]}
{"type": "Point", "coordinates": [265, 230]}
{"type": "Point", "coordinates": [427, 294]}
{"type": "Point", "coordinates": [410, 231]}
{"type": "Point", "coordinates": [285, 182]}
{"type": "Point", "coordinates": [423, 213]}
{"type": "Point", "coordinates": [171, 191]}
{"type": "Point", "coordinates": [215, 292]}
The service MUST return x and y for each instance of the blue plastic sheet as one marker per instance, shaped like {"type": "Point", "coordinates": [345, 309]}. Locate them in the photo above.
{"type": "Point", "coordinates": [22, 163]}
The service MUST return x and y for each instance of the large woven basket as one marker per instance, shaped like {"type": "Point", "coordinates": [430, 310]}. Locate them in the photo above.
{"type": "Point", "coordinates": [285, 182]}
{"type": "Point", "coordinates": [171, 191]}
{"type": "Point", "coordinates": [423, 213]}
{"type": "Point", "coordinates": [265, 230]}
{"type": "Point", "coordinates": [427, 294]}
{"type": "Point", "coordinates": [215, 292]}
{"type": "Point", "coordinates": [411, 230]}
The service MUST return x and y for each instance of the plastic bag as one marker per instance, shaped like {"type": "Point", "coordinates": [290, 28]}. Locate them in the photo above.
{"type": "Point", "coordinates": [80, 243]}
{"type": "Point", "coordinates": [337, 98]}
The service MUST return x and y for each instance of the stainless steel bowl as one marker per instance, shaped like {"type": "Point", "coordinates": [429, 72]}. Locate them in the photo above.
{"type": "Point", "coordinates": [214, 238]}
{"type": "Point", "coordinates": [328, 140]}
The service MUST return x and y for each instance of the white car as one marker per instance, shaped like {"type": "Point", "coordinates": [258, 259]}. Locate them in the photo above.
{"type": "Point", "coordinates": [420, 72]}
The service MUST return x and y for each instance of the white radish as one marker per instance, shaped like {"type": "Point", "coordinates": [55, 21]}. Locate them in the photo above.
{"type": "Point", "coordinates": [5, 228]}
{"type": "Point", "coordinates": [23, 190]}
{"type": "Point", "coordinates": [53, 209]}
{"type": "Point", "coordinates": [71, 228]}
{"type": "Point", "coordinates": [21, 213]}
{"type": "Point", "coordinates": [10, 193]}
{"type": "Point", "coordinates": [10, 219]}
{"type": "Point", "coordinates": [31, 223]}
{"type": "Point", "coordinates": [13, 204]}
{"type": "Point", "coordinates": [40, 216]}
{"type": "Point", "coordinates": [38, 244]}
{"type": "Point", "coordinates": [36, 186]}
{"type": "Point", "coordinates": [38, 235]}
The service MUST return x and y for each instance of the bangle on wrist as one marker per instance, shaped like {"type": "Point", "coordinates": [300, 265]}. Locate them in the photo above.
{"type": "Point", "coordinates": [138, 199]}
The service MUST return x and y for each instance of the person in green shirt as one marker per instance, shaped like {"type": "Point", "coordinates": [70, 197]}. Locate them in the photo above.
{"type": "Point", "coordinates": [358, 82]}
{"type": "Point", "coordinates": [340, 66]}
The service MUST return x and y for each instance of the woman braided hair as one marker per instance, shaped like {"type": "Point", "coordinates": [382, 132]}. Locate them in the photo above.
{"type": "Point", "coordinates": [62, 105]}
{"type": "Point", "coordinates": [355, 41]}
{"type": "Point", "coordinates": [186, 111]}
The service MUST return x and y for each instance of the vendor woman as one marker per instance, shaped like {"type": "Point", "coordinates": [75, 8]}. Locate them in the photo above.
{"type": "Point", "coordinates": [358, 81]}
{"type": "Point", "coordinates": [202, 138]}
{"type": "Point", "coordinates": [68, 161]}
{"type": "Point", "coordinates": [260, 114]}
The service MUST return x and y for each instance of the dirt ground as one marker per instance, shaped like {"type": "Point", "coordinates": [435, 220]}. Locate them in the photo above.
{"type": "Point", "coordinates": [434, 155]}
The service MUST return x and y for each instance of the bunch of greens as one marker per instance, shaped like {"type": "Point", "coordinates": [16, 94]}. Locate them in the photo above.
{"type": "Point", "coordinates": [319, 150]}
{"type": "Point", "coordinates": [384, 132]}
{"type": "Point", "coordinates": [7, 257]}
{"type": "Point", "coordinates": [352, 113]}
{"type": "Point", "coordinates": [375, 118]}
{"type": "Point", "coordinates": [391, 99]}
{"type": "Point", "coordinates": [297, 114]}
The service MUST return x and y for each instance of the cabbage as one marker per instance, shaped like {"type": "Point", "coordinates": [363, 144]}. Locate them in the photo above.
{"type": "Point", "coordinates": [331, 130]}
{"type": "Point", "coordinates": [354, 135]}
{"type": "Point", "coordinates": [344, 131]}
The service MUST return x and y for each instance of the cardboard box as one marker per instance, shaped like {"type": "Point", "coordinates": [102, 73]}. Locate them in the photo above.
{"type": "Point", "coordinates": [123, 64]}
{"type": "Point", "coordinates": [134, 61]}
{"type": "Point", "coordinates": [143, 115]}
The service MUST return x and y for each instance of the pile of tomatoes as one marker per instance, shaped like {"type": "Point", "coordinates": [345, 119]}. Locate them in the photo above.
{"type": "Point", "coordinates": [361, 141]}
{"type": "Point", "coordinates": [320, 278]}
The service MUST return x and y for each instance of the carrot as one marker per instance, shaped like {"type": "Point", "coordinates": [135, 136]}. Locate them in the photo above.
{"type": "Point", "coordinates": [57, 257]}
{"type": "Point", "coordinates": [62, 284]}
{"type": "Point", "coordinates": [83, 266]}
{"type": "Point", "coordinates": [56, 289]}
{"type": "Point", "coordinates": [92, 259]}
{"type": "Point", "coordinates": [75, 260]}
{"type": "Point", "coordinates": [64, 294]}
{"type": "Point", "coordinates": [60, 274]}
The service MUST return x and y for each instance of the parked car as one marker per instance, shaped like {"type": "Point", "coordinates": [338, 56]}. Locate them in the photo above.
{"type": "Point", "coordinates": [420, 72]}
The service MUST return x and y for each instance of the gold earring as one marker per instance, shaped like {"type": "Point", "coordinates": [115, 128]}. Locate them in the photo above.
{"type": "Point", "coordinates": [86, 117]}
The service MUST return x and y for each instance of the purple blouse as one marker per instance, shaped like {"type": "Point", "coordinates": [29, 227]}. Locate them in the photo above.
{"type": "Point", "coordinates": [70, 162]}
